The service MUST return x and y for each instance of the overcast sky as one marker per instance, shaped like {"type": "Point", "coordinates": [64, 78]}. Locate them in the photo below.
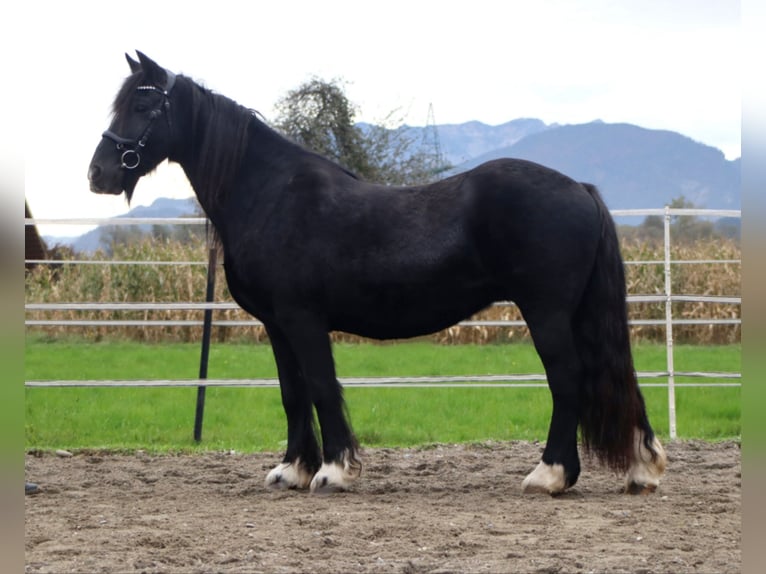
{"type": "Point", "coordinates": [655, 63]}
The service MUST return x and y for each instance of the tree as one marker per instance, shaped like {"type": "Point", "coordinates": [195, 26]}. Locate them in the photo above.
{"type": "Point", "coordinates": [652, 228]}
{"type": "Point", "coordinates": [319, 116]}
{"type": "Point", "coordinates": [689, 227]}
{"type": "Point", "coordinates": [682, 227]}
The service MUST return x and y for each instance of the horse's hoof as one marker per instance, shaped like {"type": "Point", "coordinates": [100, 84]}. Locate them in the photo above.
{"type": "Point", "coordinates": [647, 467]}
{"type": "Point", "coordinates": [545, 479]}
{"type": "Point", "coordinates": [323, 485]}
{"type": "Point", "coordinates": [335, 477]}
{"type": "Point", "coordinates": [636, 488]}
{"type": "Point", "coordinates": [330, 478]}
{"type": "Point", "coordinates": [288, 475]}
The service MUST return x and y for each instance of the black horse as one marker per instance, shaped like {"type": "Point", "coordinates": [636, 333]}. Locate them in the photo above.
{"type": "Point", "coordinates": [309, 248]}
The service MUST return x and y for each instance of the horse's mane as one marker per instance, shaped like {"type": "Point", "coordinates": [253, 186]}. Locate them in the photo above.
{"type": "Point", "coordinates": [121, 103]}
{"type": "Point", "coordinates": [221, 128]}
{"type": "Point", "coordinates": [223, 140]}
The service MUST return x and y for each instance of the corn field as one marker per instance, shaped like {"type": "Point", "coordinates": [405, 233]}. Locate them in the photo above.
{"type": "Point", "coordinates": [106, 283]}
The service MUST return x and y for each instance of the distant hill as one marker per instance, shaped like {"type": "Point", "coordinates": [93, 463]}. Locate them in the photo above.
{"type": "Point", "coordinates": [634, 167]}
{"type": "Point", "coordinates": [460, 143]}
{"type": "Point", "coordinates": [162, 207]}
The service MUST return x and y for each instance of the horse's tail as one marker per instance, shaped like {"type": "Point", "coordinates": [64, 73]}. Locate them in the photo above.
{"type": "Point", "coordinates": [612, 406]}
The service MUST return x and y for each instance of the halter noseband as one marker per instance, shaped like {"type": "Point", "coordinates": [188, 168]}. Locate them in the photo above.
{"type": "Point", "coordinates": [130, 158]}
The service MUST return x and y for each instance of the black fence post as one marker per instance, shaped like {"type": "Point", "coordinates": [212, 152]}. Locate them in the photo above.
{"type": "Point", "coordinates": [206, 332]}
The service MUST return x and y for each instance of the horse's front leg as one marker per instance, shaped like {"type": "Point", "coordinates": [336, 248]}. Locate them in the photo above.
{"type": "Point", "coordinates": [310, 343]}
{"type": "Point", "coordinates": [302, 458]}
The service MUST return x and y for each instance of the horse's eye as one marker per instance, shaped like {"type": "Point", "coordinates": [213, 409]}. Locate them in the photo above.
{"type": "Point", "coordinates": [140, 108]}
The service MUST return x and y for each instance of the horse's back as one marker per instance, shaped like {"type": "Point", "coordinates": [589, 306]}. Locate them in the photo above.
{"type": "Point", "coordinates": [527, 189]}
{"type": "Point", "coordinates": [537, 230]}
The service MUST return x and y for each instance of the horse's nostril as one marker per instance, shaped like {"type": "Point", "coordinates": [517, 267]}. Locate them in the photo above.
{"type": "Point", "coordinates": [94, 173]}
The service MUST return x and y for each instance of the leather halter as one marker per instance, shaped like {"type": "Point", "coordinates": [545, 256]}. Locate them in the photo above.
{"type": "Point", "coordinates": [130, 158]}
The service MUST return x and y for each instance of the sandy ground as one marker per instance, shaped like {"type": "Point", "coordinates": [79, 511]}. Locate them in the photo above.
{"type": "Point", "coordinates": [441, 509]}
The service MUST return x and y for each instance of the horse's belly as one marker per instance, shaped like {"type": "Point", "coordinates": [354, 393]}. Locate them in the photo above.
{"type": "Point", "coordinates": [399, 315]}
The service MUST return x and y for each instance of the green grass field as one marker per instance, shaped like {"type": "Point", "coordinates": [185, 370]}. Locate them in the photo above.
{"type": "Point", "coordinates": [251, 419]}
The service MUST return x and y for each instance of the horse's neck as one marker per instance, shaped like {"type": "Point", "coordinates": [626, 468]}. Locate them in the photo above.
{"type": "Point", "coordinates": [197, 145]}
{"type": "Point", "coordinates": [265, 153]}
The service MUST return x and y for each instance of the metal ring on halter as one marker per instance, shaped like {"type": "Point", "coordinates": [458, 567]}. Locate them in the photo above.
{"type": "Point", "coordinates": [128, 155]}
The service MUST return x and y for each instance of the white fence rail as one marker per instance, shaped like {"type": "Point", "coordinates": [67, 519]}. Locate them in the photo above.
{"type": "Point", "coordinates": [509, 381]}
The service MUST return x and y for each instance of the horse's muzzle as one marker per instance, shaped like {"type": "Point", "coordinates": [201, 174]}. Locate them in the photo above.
{"type": "Point", "coordinates": [97, 184]}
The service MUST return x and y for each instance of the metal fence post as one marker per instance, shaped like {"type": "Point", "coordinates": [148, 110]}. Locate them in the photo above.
{"type": "Point", "coordinates": [206, 332]}
{"type": "Point", "coordinates": [669, 331]}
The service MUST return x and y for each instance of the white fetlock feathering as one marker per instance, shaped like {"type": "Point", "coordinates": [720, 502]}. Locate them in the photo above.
{"type": "Point", "coordinates": [644, 474]}
{"type": "Point", "coordinates": [288, 475]}
{"type": "Point", "coordinates": [546, 478]}
{"type": "Point", "coordinates": [334, 476]}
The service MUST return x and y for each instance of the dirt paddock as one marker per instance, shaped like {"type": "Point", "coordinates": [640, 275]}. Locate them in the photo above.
{"type": "Point", "coordinates": [450, 508]}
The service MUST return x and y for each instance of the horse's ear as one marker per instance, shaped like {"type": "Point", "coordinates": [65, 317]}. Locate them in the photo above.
{"type": "Point", "coordinates": [134, 66]}
{"type": "Point", "coordinates": [153, 72]}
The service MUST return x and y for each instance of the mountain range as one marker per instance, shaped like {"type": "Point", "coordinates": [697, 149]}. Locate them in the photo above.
{"type": "Point", "coordinates": [634, 167]}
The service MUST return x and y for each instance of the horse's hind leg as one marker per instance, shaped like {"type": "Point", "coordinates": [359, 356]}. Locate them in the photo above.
{"type": "Point", "coordinates": [560, 465]}
{"type": "Point", "coordinates": [302, 458]}
{"type": "Point", "coordinates": [648, 465]}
